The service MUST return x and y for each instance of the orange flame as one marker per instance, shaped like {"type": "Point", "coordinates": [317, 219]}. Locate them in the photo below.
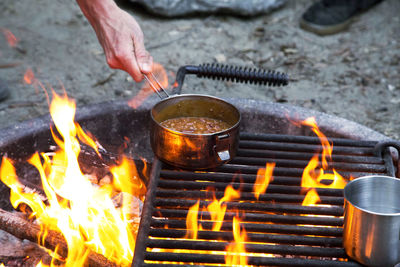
{"type": "Point", "coordinates": [326, 146]}
{"type": "Point", "coordinates": [10, 37]}
{"type": "Point", "coordinates": [90, 217]}
{"type": "Point", "coordinates": [217, 208]}
{"type": "Point", "coordinates": [191, 221]}
{"type": "Point", "coordinates": [264, 177]}
{"type": "Point", "coordinates": [311, 198]}
{"type": "Point", "coordinates": [236, 251]}
{"type": "Point", "coordinates": [161, 76]}
{"type": "Point", "coordinates": [127, 178]}
{"type": "Point", "coordinates": [312, 175]}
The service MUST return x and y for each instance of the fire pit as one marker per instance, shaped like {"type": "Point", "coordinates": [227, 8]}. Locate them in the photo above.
{"type": "Point", "coordinates": [277, 224]}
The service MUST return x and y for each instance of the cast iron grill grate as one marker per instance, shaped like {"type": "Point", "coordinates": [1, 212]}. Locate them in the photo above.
{"type": "Point", "coordinates": [276, 224]}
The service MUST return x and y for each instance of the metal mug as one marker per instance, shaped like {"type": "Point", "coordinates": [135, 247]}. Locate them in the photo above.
{"type": "Point", "coordinates": [371, 230]}
{"type": "Point", "coordinates": [194, 151]}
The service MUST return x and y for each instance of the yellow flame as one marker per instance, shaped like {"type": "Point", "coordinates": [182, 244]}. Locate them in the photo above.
{"type": "Point", "coordinates": [17, 194]}
{"type": "Point", "coordinates": [127, 178]}
{"type": "Point", "coordinates": [85, 214]}
{"type": "Point", "coordinates": [217, 208]}
{"type": "Point", "coordinates": [311, 198]}
{"type": "Point", "coordinates": [312, 175]}
{"type": "Point", "coordinates": [236, 251]}
{"type": "Point", "coordinates": [264, 177]}
{"type": "Point", "coordinates": [326, 146]}
{"type": "Point", "coordinates": [191, 221]}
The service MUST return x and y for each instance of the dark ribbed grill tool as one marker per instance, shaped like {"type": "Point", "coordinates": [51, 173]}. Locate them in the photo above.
{"type": "Point", "coordinates": [276, 224]}
{"type": "Point", "coordinates": [231, 73]}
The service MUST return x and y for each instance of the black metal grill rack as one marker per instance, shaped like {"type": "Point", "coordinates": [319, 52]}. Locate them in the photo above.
{"type": "Point", "coordinates": [276, 224]}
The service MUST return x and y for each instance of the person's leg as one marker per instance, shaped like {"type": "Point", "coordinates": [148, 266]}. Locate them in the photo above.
{"type": "Point", "coordinates": [4, 91]}
{"type": "Point", "coordinates": [332, 16]}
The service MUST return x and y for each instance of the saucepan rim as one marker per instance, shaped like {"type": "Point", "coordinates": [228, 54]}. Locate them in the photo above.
{"type": "Point", "coordinates": [361, 179]}
{"type": "Point", "coordinates": [170, 98]}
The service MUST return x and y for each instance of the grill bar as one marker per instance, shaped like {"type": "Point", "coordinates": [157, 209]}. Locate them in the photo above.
{"type": "Point", "coordinates": [305, 139]}
{"type": "Point", "coordinates": [296, 172]}
{"type": "Point", "coordinates": [251, 248]}
{"type": "Point", "coordinates": [145, 219]}
{"type": "Point", "coordinates": [304, 147]}
{"type": "Point", "coordinates": [258, 261]}
{"type": "Point", "coordinates": [273, 188]}
{"type": "Point", "coordinates": [265, 207]}
{"type": "Point", "coordinates": [260, 228]}
{"type": "Point", "coordinates": [270, 154]}
{"type": "Point", "coordinates": [288, 262]}
{"type": "Point", "coordinates": [244, 178]}
{"type": "Point", "coordinates": [301, 164]}
{"type": "Point", "coordinates": [276, 223]}
{"type": "Point", "coordinates": [284, 198]}
{"type": "Point", "coordinates": [258, 217]}
{"type": "Point", "coordinates": [253, 237]}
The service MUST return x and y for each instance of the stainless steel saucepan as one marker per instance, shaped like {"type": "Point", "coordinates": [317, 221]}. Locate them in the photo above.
{"type": "Point", "coordinates": [202, 151]}
{"type": "Point", "coordinates": [194, 151]}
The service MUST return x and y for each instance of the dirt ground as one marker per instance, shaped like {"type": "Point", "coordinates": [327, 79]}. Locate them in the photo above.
{"type": "Point", "coordinates": [354, 74]}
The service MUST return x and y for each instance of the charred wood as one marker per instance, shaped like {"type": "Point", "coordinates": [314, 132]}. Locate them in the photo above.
{"type": "Point", "coordinates": [23, 229]}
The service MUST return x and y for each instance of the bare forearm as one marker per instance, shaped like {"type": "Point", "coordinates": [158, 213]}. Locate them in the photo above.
{"type": "Point", "coordinates": [120, 36]}
{"type": "Point", "coordinates": [95, 10]}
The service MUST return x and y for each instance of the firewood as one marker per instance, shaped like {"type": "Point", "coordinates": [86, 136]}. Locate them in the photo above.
{"type": "Point", "coordinates": [24, 229]}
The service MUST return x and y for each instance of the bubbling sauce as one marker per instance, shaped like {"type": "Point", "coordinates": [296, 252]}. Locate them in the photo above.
{"type": "Point", "coordinates": [195, 125]}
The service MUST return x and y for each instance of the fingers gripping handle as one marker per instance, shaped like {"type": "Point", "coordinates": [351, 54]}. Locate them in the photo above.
{"type": "Point", "coordinates": [231, 73]}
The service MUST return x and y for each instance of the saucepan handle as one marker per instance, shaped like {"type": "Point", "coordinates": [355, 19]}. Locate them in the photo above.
{"type": "Point", "coordinates": [231, 73]}
{"type": "Point", "coordinates": [222, 147]}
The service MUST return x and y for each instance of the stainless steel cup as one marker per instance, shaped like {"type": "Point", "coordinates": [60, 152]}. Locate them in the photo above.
{"type": "Point", "coordinates": [371, 232]}
{"type": "Point", "coordinates": [194, 151]}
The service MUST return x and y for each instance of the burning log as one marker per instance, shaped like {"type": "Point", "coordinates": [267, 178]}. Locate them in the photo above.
{"type": "Point", "coordinates": [24, 229]}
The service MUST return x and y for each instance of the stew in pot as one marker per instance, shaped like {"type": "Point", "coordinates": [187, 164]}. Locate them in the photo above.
{"type": "Point", "coordinates": [195, 125]}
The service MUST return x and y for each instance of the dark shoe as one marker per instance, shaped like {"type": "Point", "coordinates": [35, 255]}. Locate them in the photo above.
{"type": "Point", "coordinates": [4, 91]}
{"type": "Point", "coordinates": [332, 16]}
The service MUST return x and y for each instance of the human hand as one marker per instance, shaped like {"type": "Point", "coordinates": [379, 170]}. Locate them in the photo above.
{"type": "Point", "coordinates": [120, 36]}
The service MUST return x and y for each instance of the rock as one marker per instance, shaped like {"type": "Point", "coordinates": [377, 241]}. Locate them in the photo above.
{"type": "Point", "coordinates": [220, 58]}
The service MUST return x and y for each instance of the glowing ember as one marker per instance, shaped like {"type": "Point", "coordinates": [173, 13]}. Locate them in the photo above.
{"type": "Point", "coordinates": [10, 37]}
{"type": "Point", "coordinates": [264, 177]}
{"type": "Point", "coordinates": [236, 251]}
{"type": "Point", "coordinates": [161, 76]}
{"type": "Point", "coordinates": [29, 77]}
{"type": "Point", "coordinates": [313, 175]}
{"type": "Point", "coordinates": [89, 216]}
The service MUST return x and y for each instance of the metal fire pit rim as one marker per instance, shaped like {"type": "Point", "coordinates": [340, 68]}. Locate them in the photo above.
{"type": "Point", "coordinates": [250, 109]}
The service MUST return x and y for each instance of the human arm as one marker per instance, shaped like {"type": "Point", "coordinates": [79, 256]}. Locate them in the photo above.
{"type": "Point", "coordinates": [120, 36]}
